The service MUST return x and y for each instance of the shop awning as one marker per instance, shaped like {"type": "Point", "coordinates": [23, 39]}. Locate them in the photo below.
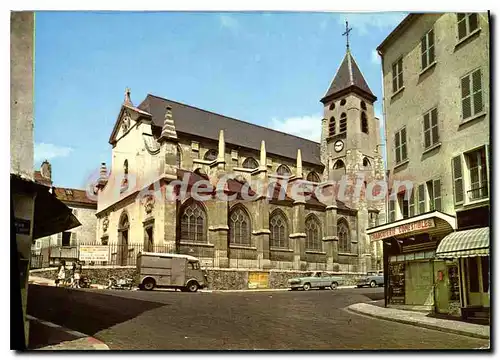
{"type": "Point", "coordinates": [465, 243]}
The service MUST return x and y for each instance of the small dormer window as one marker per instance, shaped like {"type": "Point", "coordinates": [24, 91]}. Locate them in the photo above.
{"type": "Point", "coordinates": [69, 192]}
{"type": "Point", "coordinates": [342, 102]}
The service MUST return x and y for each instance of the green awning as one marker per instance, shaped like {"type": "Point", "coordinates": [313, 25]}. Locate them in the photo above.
{"type": "Point", "coordinates": [465, 243]}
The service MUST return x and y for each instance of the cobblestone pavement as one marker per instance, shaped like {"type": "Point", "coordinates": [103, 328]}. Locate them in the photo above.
{"type": "Point", "coordinates": [297, 320]}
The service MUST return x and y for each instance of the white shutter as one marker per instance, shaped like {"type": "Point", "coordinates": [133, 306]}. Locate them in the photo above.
{"type": "Point", "coordinates": [458, 181]}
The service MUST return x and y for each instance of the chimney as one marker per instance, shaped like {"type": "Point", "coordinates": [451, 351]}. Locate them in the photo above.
{"type": "Point", "coordinates": [103, 176]}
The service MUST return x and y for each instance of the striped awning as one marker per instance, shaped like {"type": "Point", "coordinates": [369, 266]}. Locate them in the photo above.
{"type": "Point", "coordinates": [465, 243]}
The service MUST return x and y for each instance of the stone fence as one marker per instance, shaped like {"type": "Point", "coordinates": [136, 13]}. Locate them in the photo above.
{"type": "Point", "coordinates": [218, 279]}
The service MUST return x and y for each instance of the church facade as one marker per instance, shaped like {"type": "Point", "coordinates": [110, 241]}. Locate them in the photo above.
{"type": "Point", "coordinates": [160, 147]}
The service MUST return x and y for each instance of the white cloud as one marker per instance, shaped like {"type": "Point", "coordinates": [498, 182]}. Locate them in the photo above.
{"type": "Point", "coordinates": [375, 57]}
{"type": "Point", "coordinates": [45, 151]}
{"type": "Point", "coordinates": [228, 22]}
{"type": "Point", "coordinates": [363, 22]}
{"type": "Point", "coordinates": [308, 126]}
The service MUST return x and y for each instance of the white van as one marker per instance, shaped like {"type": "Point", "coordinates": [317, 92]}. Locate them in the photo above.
{"type": "Point", "coordinates": [170, 271]}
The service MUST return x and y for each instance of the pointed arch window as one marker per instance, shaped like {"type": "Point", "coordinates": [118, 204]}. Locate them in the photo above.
{"type": "Point", "coordinates": [210, 155]}
{"type": "Point", "coordinates": [366, 163]}
{"type": "Point", "coordinates": [313, 177]}
{"type": "Point", "coordinates": [283, 170]}
{"type": "Point", "coordinates": [331, 127]}
{"type": "Point", "coordinates": [339, 164]}
{"type": "Point", "coordinates": [313, 233]}
{"type": "Point", "coordinates": [343, 123]}
{"type": "Point", "coordinates": [278, 226]}
{"type": "Point", "coordinates": [332, 106]}
{"type": "Point", "coordinates": [363, 105]}
{"type": "Point", "coordinates": [193, 221]}
{"type": "Point", "coordinates": [250, 163]}
{"type": "Point", "coordinates": [344, 237]}
{"type": "Point", "coordinates": [342, 102]}
{"type": "Point", "coordinates": [364, 123]}
{"type": "Point", "coordinates": [239, 226]}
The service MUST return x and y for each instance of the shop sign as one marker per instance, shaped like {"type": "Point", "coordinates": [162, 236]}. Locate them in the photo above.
{"type": "Point", "coordinates": [403, 229]}
{"type": "Point", "coordinates": [23, 226]}
{"type": "Point", "coordinates": [94, 253]}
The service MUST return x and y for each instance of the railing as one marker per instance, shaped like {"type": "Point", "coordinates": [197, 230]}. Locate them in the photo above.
{"type": "Point", "coordinates": [478, 193]}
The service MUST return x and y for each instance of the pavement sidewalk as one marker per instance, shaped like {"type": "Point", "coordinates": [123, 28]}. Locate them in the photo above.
{"type": "Point", "coordinates": [45, 335]}
{"type": "Point", "coordinates": [422, 320]}
{"type": "Point", "coordinates": [48, 282]}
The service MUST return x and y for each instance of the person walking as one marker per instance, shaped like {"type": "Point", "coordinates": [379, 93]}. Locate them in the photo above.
{"type": "Point", "coordinates": [77, 269]}
{"type": "Point", "coordinates": [61, 274]}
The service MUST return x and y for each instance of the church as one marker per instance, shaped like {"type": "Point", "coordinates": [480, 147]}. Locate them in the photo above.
{"type": "Point", "coordinates": [159, 142]}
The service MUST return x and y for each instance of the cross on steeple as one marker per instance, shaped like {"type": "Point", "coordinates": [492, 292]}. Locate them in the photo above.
{"type": "Point", "coordinates": [347, 31]}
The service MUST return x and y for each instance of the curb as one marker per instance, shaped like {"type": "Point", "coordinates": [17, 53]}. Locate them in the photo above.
{"type": "Point", "coordinates": [419, 324]}
{"type": "Point", "coordinates": [52, 283]}
{"type": "Point", "coordinates": [264, 290]}
{"type": "Point", "coordinates": [94, 343]}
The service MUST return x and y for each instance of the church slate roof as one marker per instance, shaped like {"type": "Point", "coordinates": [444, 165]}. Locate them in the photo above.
{"type": "Point", "coordinates": [348, 78]}
{"type": "Point", "coordinates": [206, 124]}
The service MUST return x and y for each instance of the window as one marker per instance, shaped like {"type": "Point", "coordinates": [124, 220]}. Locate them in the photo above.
{"type": "Point", "coordinates": [344, 238]}
{"type": "Point", "coordinates": [364, 123]}
{"type": "Point", "coordinates": [412, 203]}
{"type": "Point", "coordinates": [193, 223]}
{"type": "Point", "coordinates": [404, 205]}
{"type": "Point", "coordinates": [478, 175]}
{"type": "Point", "coordinates": [339, 164]}
{"type": "Point", "coordinates": [210, 155]}
{"type": "Point", "coordinates": [342, 102]}
{"type": "Point", "coordinates": [400, 146]}
{"type": "Point", "coordinates": [66, 238]}
{"type": "Point", "coordinates": [397, 75]}
{"type": "Point", "coordinates": [473, 274]}
{"type": "Point", "coordinates": [343, 123]}
{"type": "Point", "coordinates": [458, 181]}
{"type": "Point", "coordinates": [313, 177]}
{"type": "Point", "coordinates": [178, 157]}
{"type": "Point", "coordinates": [431, 133]}
{"type": "Point", "coordinates": [430, 194]}
{"type": "Point", "coordinates": [250, 163]}
{"type": "Point", "coordinates": [279, 230]}
{"type": "Point", "coordinates": [467, 23]}
{"type": "Point", "coordinates": [239, 227]}
{"type": "Point", "coordinates": [427, 49]}
{"type": "Point", "coordinates": [332, 106]}
{"type": "Point", "coordinates": [421, 199]}
{"type": "Point", "coordinates": [366, 163]}
{"type": "Point", "coordinates": [472, 94]}
{"type": "Point", "coordinates": [392, 210]}
{"type": "Point", "coordinates": [313, 233]}
{"type": "Point", "coordinates": [194, 265]}
{"type": "Point", "coordinates": [125, 167]}
{"type": "Point", "coordinates": [363, 105]}
{"type": "Point", "coordinates": [331, 127]}
{"type": "Point", "coordinates": [283, 170]}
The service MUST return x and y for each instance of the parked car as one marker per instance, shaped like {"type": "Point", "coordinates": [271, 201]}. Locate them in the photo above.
{"type": "Point", "coordinates": [315, 279]}
{"type": "Point", "coordinates": [372, 279]}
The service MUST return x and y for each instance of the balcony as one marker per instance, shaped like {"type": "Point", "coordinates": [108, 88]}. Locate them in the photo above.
{"type": "Point", "coordinates": [478, 193]}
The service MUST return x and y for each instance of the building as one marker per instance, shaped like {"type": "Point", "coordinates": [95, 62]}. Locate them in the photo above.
{"type": "Point", "coordinates": [160, 141]}
{"type": "Point", "coordinates": [437, 119]}
{"type": "Point", "coordinates": [64, 245]}
{"type": "Point", "coordinates": [35, 212]}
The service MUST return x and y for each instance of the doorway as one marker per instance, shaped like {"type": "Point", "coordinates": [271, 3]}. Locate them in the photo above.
{"type": "Point", "coordinates": [123, 240]}
{"type": "Point", "coordinates": [478, 275]}
{"type": "Point", "coordinates": [148, 239]}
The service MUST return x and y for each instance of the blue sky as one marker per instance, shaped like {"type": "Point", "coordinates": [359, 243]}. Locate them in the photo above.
{"type": "Point", "coordinates": [266, 68]}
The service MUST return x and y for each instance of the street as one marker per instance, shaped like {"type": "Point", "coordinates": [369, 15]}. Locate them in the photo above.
{"type": "Point", "coordinates": [280, 320]}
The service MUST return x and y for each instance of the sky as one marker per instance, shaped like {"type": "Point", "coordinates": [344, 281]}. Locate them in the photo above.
{"type": "Point", "coordinates": [269, 69]}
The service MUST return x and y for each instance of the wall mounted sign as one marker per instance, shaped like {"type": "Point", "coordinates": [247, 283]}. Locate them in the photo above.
{"type": "Point", "coordinates": [404, 229]}
{"type": "Point", "coordinates": [396, 290]}
{"type": "Point", "coordinates": [258, 280]}
{"type": "Point", "coordinates": [94, 253]}
{"type": "Point", "coordinates": [23, 226]}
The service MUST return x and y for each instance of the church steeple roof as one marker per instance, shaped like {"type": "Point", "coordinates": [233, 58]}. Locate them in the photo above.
{"type": "Point", "coordinates": [348, 79]}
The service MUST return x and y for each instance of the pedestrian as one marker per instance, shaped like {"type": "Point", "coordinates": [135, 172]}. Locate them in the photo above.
{"type": "Point", "coordinates": [61, 274]}
{"type": "Point", "coordinates": [77, 268]}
